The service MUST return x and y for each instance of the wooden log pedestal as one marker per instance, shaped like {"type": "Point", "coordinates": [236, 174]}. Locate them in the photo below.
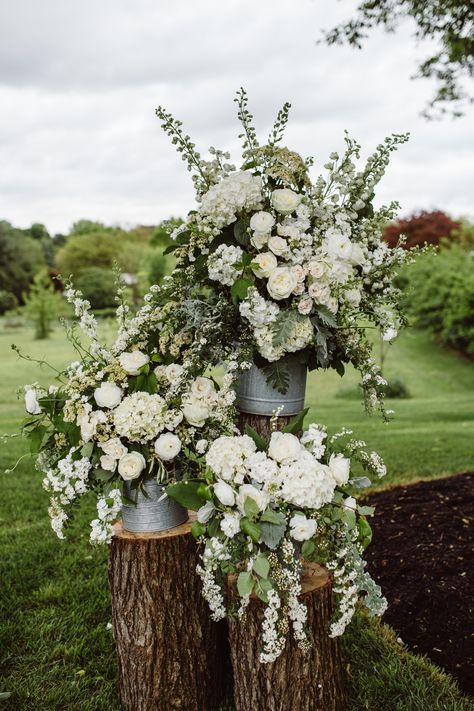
{"type": "Point", "coordinates": [297, 680]}
{"type": "Point", "coordinates": [171, 655]}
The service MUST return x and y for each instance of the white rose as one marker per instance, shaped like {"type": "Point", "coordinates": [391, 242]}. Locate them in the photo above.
{"type": "Point", "coordinates": [131, 465]}
{"type": "Point", "coordinates": [281, 283]}
{"type": "Point", "coordinates": [196, 412]}
{"type": "Point", "coordinates": [261, 498]}
{"type": "Point", "coordinates": [302, 528]}
{"type": "Point", "coordinates": [316, 269]}
{"type": "Point", "coordinates": [32, 405]}
{"type": "Point", "coordinates": [305, 305]}
{"type": "Point", "coordinates": [259, 240]}
{"type": "Point", "coordinates": [278, 246]}
{"type": "Point", "coordinates": [284, 447]}
{"type": "Point", "coordinates": [167, 446]}
{"type": "Point", "coordinates": [132, 362]}
{"type": "Point", "coordinates": [113, 448]}
{"type": "Point", "coordinates": [203, 388]}
{"type": "Point", "coordinates": [298, 290]}
{"type": "Point", "coordinates": [299, 272]}
{"type": "Point", "coordinates": [108, 463]}
{"type": "Point", "coordinates": [267, 262]}
{"type": "Point", "coordinates": [173, 372]}
{"type": "Point", "coordinates": [160, 372]}
{"type": "Point", "coordinates": [353, 297]}
{"type": "Point", "coordinates": [262, 222]}
{"type": "Point", "coordinates": [339, 466]}
{"type": "Point", "coordinates": [108, 395]}
{"type": "Point", "coordinates": [357, 254]}
{"type": "Point", "coordinates": [319, 292]}
{"type": "Point", "coordinates": [285, 200]}
{"type": "Point", "coordinates": [224, 493]}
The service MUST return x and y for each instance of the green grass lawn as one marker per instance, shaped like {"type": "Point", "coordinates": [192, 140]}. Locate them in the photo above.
{"type": "Point", "coordinates": [56, 650]}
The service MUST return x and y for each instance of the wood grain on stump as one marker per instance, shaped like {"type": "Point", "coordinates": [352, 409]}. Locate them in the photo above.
{"type": "Point", "coordinates": [262, 423]}
{"type": "Point", "coordinates": [171, 655]}
{"type": "Point", "coordinates": [297, 680]}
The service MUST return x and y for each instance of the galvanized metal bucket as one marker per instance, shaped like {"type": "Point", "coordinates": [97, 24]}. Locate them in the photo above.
{"type": "Point", "coordinates": [150, 515]}
{"type": "Point", "coordinates": [257, 397]}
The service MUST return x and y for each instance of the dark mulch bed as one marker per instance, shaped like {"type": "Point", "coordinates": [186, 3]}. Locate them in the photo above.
{"type": "Point", "coordinates": [422, 556]}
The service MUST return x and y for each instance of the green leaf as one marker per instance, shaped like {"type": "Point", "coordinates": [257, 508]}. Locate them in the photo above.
{"type": "Point", "coordinates": [145, 382]}
{"type": "Point", "coordinates": [261, 566]}
{"type": "Point", "coordinates": [245, 583]}
{"type": "Point", "coordinates": [197, 529]}
{"type": "Point", "coordinates": [365, 532]}
{"type": "Point", "coordinates": [261, 593]}
{"type": "Point", "coordinates": [87, 449]}
{"type": "Point", "coordinates": [272, 533]}
{"type": "Point", "coordinates": [349, 517]}
{"type": "Point", "coordinates": [284, 326]}
{"type": "Point", "coordinates": [251, 508]}
{"type": "Point", "coordinates": [307, 549]}
{"type": "Point", "coordinates": [204, 491]}
{"type": "Point", "coordinates": [277, 375]}
{"type": "Point", "coordinates": [102, 474]}
{"type": "Point", "coordinates": [270, 516]}
{"type": "Point", "coordinates": [170, 248]}
{"type": "Point", "coordinates": [366, 510]}
{"type": "Point", "coordinates": [214, 528]}
{"type": "Point", "coordinates": [250, 529]}
{"type": "Point", "coordinates": [4, 695]}
{"type": "Point", "coordinates": [36, 437]}
{"type": "Point", "coordinates": [261, 443]}
{"type": "Point", "coordinates": [241, 232]}
{"type": "Point", "coordinates": [239, 288]}
{"type": "Point", "coordinates": [327, 317]}
{"type": "Point", "coordinates": [186, 494]}
{"type": "Point", "coordinates": [295, 425]}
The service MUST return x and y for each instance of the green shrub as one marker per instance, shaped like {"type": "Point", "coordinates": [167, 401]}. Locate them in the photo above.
{"type": "Point", "coordinates": [43, 305]}
{"type": "Point", "coordinates": [8, 301]}
{"type": "Point", "coordinates": [98, 287]}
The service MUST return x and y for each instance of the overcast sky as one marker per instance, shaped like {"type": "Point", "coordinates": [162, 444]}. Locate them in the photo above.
{"type": "Point", "coordinates": [80, 79]}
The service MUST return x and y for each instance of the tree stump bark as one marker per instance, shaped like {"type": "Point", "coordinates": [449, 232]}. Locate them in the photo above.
{"type": "Point", "coordinates": [262, 423]}
{"type": "Point", "coordinates": [171, 655]}
{"type": "Point", "coordinates": [296, 681]}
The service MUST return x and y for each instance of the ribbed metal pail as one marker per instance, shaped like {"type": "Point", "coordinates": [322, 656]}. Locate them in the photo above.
{"type": "Point", "coordinates": [256, 396]}
{"type": "Point", "coordinates": [150, 515]}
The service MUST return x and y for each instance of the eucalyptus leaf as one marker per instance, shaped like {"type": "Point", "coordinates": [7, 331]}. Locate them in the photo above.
{"type": "Point", "coordinates": [272, 534]}
{"type": "Point", "coordinates": [361, 482]}
{"type": "Point", "coordinates": [366, 510]}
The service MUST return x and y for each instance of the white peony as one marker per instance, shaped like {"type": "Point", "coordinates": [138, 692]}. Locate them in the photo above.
{"type": "Point", "coordinates": [174, 372]}
{"type": "Point", "coordinates": [278, 246]}
{"type": "Point", "coordinates": [131, 465]}
{"type": "Point", "coordinates": [133, 361]}
{"type": "Point", "coordinates": [203, 388]}
{"type": "Point", "coordinates": [108, 395]}
{"type": "Point", "coordinates": [339, 466]}
{"type": "Point", "coordinates": [302, 528]}
{"type": "Point", "coordinates": [32, 405]}
{"type": "Point", "coordinates": [247, 491]}
{"type": "Point", "coordinates": [224, 493]}
{"type": "Point", "coordinates": [108, 463]}
{"type": "Point", "coordinates": [113, 448]}
{"type": "Point", "coordinates": [285, 200]}
{"type": "Point", "coordinates": [266, 262]}
{"type": "Point", "coordinates": [284, 447]}
{"type": "Point", "coordinates": [196, 411]}
{"type": "Point", "coordinates": [281, 283]}
{"type": "Point", "coordinates": [167, 446]}
{"type": "Point", "coordinates": [262, 222]}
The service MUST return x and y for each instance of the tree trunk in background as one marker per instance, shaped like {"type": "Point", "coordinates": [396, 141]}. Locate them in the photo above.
{"type": "Point", "coordinates": [296, 681]}
{"type": "Point", "coordinates": [171, 655]}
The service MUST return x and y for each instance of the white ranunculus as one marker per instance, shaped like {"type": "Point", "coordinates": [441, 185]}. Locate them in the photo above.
{"type": "Point", "coordinates": [261, 498]}
{"type": "Point", "coordinates": [167, 446]}
{"type": "Point", "coordinates": [305, 305]}
{"type": "Point", "coordinates": [285, 200]}
{"type": "Point", "coordinates": [203, 388]}
{"type": "Point", "coordinates": [131, 465]}
{"type": "Point", "coordinates": [108, 463]}
{"type": "Point", "coordinates": [267, 262]}
{"type": "Point", "coordinates": [196, 412]}
{"type": "Point", "coordinates": [339, 466]}
{"type": "Point", "coordinates": [281, 283]}
{"type": "Point", "coordinates": [224, 493]}
{"type": "Point", "coordinates": [32, 405]}
{"type": "Point", "coordinates": [353, 297]}
{"type": "Point", "coordinates": [278, 245]}
{"type": "Point", "coordinates": [132, 361]}
{"type": "Point", "coordinates": [337, 244]}
{"type": "Point", "coordinates": [262, 222]}
{"type": "Point", "coordinates": [108, 395]}
{"type": "Point", "coordinates": [259, 240]}
{"type": "Point", "coordinates": [302, 528]}
{"type": "Point", "coordinates": [357, 254]}
{"type": "Point", "coordinates": [173, 372]}
{"type": "Point", "coordinates": [113, 448]}
{"type": "Point", "coordinates": [284, 447]}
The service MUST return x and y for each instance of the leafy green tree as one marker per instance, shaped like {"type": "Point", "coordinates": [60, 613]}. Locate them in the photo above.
{"type": "Point", "coordinates": [43, 305]}
{"type": "Point", "coordinates": [161, 233]}
{"type": "Point", "coordinates": [8, 301]}
{"type": "Point", "coordinates": [448, 23]}
{"type": "Point", "coordinates": [20, 259]}
{"type": "Point", "coordinates": [97, 286]}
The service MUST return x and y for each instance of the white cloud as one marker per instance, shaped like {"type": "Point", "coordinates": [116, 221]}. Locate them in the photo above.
{"type": "Point", "coordinates": [79, 83]}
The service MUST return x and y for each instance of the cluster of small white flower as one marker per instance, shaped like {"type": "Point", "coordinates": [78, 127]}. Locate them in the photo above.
{"type": "Point", "coordinates": [222, 264]}
{"type": "Point", "coordinates": [212, 593]}
{"type": "Point", "coordinates": [108, 508]}
{"type": "Point", "coordinates": [68, 480]}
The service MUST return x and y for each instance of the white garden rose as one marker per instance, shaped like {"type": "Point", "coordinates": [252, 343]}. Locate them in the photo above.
{"type": "Point", "coordinates": [224, 493]}
{"type": "Point", "coordinates": [108, 395]}
{"type": "Point", "coordinates": [259, 240]}
{"type": "Point", "coordinates": [337, 245]}
{"type": "Point", "coordinates": [262, 222]}
{"type": "Point", "coordinates": [284, 447]}
{"type": "Point", "coordinates": [319, 292]}
{"type": "Point", "coordinates": [298, 290]}
{"type": "Point", "coordinates": [32, 405]}
{"type": "Point", "coordinates": [113, 448]}
{"type": "Point", "coordinates": [281, 283]}
{"type": "Point", "coordinates": [131, 465]}
{"type": "Point", "coordinates": [261, 498]}
{"type": "Point", "coordinates": [299, 273]}
{"type": "Point", "coordinates": [267, 262]}
{"type": "Point", "coordinates": [108, 463]}
{"type": "Point", "coordinates": [316, 268]}
{"type": "Point", "coordinates": [278, 245]}
{"type": "Point", "coordinates": [305, 305]}
{"type": "Point", "coordinates": [285, 200]}
{"type": "Point", "coordinates": [167, 446]}
{"type": "Point", "coordinates": [132, 361]}
{"type": "Point", "coordinates": [203, 388]}
{"type": "Point", "coordinates": [196, 411]}
{"type": "Point", "coordinates": [173, 372]}
{"type": "Point", "coordinates": [339, 466]}
{"type": "Point", "coordinates": [389, 334]}
{"type": "Point", "coordinates": [302, 528]}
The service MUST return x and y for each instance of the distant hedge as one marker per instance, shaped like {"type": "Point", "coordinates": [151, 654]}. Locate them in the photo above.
{"type": "Point", "coordinates": [440, 295]}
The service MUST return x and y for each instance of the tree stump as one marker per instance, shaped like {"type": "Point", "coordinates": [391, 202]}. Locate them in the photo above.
{"type": "Point", "coordinates": [171, 655]}
{"type": "Point", "coordinates": [262, 423]}
{"type": "Point", "coordinates": [296, 681]}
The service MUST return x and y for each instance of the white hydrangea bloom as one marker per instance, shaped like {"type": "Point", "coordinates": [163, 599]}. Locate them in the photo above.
{"type": "Point", "coordinates": [235, 193]}
{"type": "Point", "coordinates": [227, 457]}
{"type": "Point", "coordinates": [140, 416]}
{"type": "Point", "coordinates": [221, 264]}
